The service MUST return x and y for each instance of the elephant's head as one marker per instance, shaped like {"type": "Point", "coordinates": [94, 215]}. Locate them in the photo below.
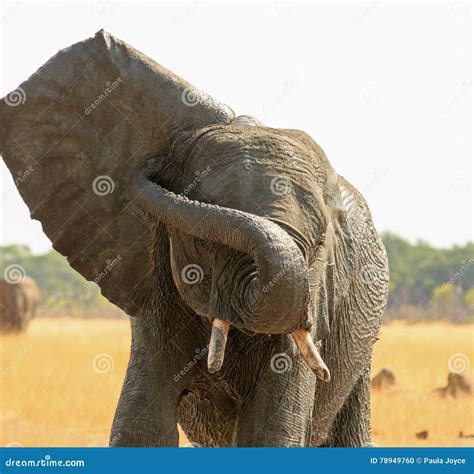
{"type": "Point", "coordinates": [250, 226]}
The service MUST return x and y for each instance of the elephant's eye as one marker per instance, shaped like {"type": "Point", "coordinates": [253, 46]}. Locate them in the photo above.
{"type": "Point", "coordinates": [202, 243]}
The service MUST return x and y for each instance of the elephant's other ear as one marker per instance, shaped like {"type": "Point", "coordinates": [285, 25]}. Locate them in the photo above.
{"type": "Point", "coordinates": [322, 286]}
{"type": "Point", "coordinates": [74, 135]}
{"type": "Point", "coordinates": [345, 252]}
{"type": "Point", "coordinates": [335, 263]}
{"type": "Point", "coordinates": [332, 272]}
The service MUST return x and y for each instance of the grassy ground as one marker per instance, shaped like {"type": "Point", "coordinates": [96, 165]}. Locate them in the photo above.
{"type": "Point", "coordinates": [421, 356]}
{"type": "Point", "coordinates": [59, 383]}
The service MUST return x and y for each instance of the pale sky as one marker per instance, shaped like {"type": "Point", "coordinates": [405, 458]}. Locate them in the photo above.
{"type": "Point", "coordinates": [384, 88]}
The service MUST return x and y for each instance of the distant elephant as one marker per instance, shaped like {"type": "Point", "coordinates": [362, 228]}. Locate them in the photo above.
{"type": "Point", "coordinates": [217, 235]}
{"type": "Point", "coordinates": [18, 302]}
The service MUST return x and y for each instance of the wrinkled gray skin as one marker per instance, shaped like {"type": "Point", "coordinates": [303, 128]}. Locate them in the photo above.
{"type": "Point", "coordinates": [253, 401]}
{"type": "Point", "coordinates": [18, 302]}
{"type": "Point", "coordinates": [213, 216]}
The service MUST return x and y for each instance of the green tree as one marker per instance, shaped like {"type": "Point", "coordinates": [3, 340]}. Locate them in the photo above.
{"type": "Point", "coordinates": [61, 286]}
{"type": "Point", "coordinates": [468, 299]}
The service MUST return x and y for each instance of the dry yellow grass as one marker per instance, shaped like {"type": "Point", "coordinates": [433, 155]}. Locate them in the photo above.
{"type": "Point", "coordinates": [420, 356]}
{"type": "Point", "coordinates": [51, 394]}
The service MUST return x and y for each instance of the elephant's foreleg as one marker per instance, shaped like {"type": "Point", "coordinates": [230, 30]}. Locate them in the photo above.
{"type": "Point", "coordinates": [143, 417]}
{"type": "Point", "coordinates": [347, 352]}
{"type": "Point", "coordinates": [351, 427]}
{"type": "Point", "coordinates": [146, 412]}
{"type": "Point", "coordinates": [278, 411]}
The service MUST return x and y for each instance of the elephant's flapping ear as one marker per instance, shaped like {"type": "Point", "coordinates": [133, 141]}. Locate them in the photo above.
{"type": "Point", "coordinates": [74, 135]}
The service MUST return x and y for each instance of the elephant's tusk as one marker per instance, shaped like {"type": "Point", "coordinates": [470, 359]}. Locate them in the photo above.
{"type": "Point", "coordinates": [217, 343]}
{"type": "Point", "coordinates": [310, 354]}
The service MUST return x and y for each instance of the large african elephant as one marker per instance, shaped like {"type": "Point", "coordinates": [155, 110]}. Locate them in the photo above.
{"type": "Point", "coordinates": [18, 302]}
{"type": "Point", "coordinates": [218, 236]}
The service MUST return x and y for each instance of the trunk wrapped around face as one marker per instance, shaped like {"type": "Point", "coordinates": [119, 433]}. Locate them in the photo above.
{"type": "Point", "coordinates": [276, 300]}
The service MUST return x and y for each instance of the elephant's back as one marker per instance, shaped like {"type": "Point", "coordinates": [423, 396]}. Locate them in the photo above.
{"type": "Point", "coordinates": [26, 289]}
{"type": "Point", "coordinates": [8, 292]}
{"type": "Point", "coordinates": [30, 289]}
{"type": "Point", "coordinates": [9, 298]}
{"type": "Point", "coordinates": [18, 301]}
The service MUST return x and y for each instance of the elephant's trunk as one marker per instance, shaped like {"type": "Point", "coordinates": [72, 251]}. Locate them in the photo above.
{"type": "Point", "coordinates": [276, 300]}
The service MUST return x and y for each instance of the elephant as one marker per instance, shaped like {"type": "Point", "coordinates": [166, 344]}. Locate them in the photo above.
{"type": "Point", "coordinates": [18, 302]}
{"type": "Point", "coordinates": [252, 273]}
